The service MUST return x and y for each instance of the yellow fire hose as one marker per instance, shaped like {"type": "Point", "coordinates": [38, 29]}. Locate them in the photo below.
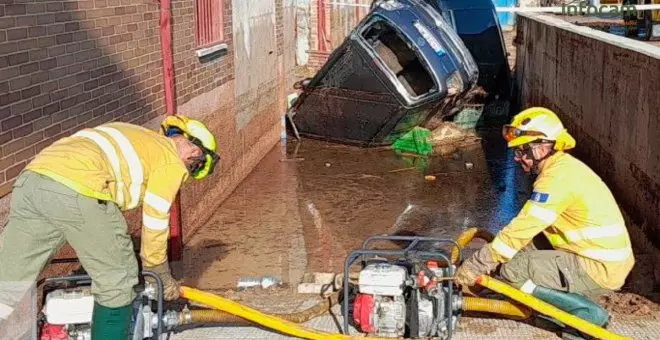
{"type": "Point", "coordinates": [466, 237]}
{"type": "Point", "coordinates": [548, 309]}
{"type": "Point", "coordinates": [474, 304]}
{"type": "Point", "coordinates": [232, 312]}
{"type": "Point", "coordinates": [219, 316]}
{"type": "Point", "coordinates": [463, 240]}
{"type": "Point", "coordinates": [501, 307]}
{"type": "Point", "coordinates": [269, 321]}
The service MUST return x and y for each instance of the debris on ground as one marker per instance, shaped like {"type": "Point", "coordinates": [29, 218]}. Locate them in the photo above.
{"type": "Point", "coordinates": [416, 141]}
{"type": "Point", "coordinates": [630, 304]}
{"type": "Point", "coordinates": [449, 137]}
{"type": "Point", "coordinates": [263, 282]}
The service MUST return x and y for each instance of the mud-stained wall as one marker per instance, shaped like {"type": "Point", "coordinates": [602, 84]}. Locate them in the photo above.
{"type": "Point", "coordinates": [256, 49]}
{"type": "Point", "coordinates": [607, 91]}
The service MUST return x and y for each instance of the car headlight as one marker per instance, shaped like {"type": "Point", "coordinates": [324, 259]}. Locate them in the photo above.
{"type": "Point", "coordinates": [454, 84]}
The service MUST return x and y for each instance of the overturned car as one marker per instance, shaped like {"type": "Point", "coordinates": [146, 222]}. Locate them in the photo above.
{"type": "Point", "coordinates": [398, 68]}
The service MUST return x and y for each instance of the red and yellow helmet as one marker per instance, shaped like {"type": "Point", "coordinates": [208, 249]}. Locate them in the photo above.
{"type": "Point", "coordinates": [536, 124]}
{"type": "Point", "coordinates": [198, 134]}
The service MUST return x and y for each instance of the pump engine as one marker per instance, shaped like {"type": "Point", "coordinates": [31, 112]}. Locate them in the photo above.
{"type": "Point", "coordinates": [410, 296]}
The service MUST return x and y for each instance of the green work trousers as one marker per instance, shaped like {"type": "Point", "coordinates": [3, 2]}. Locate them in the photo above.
{"type": "Point", "coordinates": [554, 269]}
{"type": "Point", "coordinates": [45, 213]}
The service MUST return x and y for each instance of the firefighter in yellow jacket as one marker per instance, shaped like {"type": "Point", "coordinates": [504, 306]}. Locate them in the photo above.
{"type": "Point", "coordinates": [571, 206]}
{"type": "Point", "coordinates": [76, 189]}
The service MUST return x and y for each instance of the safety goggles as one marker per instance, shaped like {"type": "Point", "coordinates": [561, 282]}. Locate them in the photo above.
{"type": "Point", "coordinates": [203, 165]}
{"type": "Point", "coordinates": [207, 162]}
{"type": "Point", "coordinates": [511, 132]}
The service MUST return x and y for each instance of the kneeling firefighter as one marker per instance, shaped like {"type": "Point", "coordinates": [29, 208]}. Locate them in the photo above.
{"type": "Point", "coordinates": [76, 189]}
{"type": "Point", "coordinates": [590, 251]}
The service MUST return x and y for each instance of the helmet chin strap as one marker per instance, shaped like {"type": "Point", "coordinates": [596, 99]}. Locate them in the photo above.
{"type": "Point", "coordinates": [536, 162]}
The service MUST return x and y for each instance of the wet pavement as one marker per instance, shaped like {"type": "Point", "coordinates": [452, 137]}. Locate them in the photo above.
{"type": "Point", "coordinates": [309, 203]}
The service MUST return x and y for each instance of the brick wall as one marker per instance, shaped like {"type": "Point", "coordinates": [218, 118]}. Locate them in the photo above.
{"type": "Point", "coordinates": [74, 64]}
{"type": "Point", "coordinates": [68, 65]}
{"type": "Point", "coordinates": [194, 76]}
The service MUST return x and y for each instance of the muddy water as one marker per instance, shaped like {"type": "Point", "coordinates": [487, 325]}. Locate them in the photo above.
{"type": "Point", "coordinates": [309, 203]}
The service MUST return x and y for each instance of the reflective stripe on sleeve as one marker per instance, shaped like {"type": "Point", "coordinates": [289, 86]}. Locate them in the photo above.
{"type": "Point", "coordinates": [503, 249]}
{"type": "Point", "coordinates": [543, 214]}
{"type": "Point", "coordinates": [158, 203]}
{"type": "Point", "coordinates": [154, 223]}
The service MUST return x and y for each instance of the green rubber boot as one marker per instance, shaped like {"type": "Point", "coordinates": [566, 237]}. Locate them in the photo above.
{"type": "Point", "coordinates": [111, 323]}
{"type": "Point", "coordinates": [573, 304]}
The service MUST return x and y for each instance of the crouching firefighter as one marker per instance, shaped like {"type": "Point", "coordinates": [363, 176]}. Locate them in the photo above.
{"type": "Point", "coordinates": [76, 189]}
{"type": "Point", "coordinates": [589, 251]}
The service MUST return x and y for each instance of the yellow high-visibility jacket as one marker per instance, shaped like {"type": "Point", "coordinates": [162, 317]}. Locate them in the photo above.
{"type": "Point", "coordinates": [577, 212]}
{"type": "Point", "coordinates": [126, 164]}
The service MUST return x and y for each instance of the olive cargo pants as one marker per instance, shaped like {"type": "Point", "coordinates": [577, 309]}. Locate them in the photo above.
{"type": "Point", "coordinates": [45, 213]}
{"type": "Point", "coordinates": [554, 269]}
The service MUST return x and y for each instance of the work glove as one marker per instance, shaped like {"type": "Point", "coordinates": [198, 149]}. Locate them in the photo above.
{"type": "Point", "coordinates": [170, 285]}
{"type": "Point", "coordinates": [481, 262]}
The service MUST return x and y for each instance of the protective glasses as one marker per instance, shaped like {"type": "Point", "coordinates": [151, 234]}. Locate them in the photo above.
{"type": "Point", "coordinates": [511, 132]}
{"type": "Point", "coordinates": [205, 163]}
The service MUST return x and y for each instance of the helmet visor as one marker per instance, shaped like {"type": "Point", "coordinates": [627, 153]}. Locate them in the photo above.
{"type": "Point", "coordinates": [511, 132]}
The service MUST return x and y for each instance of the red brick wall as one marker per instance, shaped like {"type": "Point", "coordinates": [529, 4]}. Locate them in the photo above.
{"type": "Point", "coordinates": [68, 65]}
{"type": "Point", "coordinates": [94, 61]}
{"type": "Point", "coordinates": [194, 76]}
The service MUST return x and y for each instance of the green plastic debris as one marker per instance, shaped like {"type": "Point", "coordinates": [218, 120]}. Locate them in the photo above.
{"type": "Point", "coordinates": [416, 141]}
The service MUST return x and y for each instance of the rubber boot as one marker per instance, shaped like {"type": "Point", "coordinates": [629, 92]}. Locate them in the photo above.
{"type": "Point", "coordinates": [111, 323]}
{"type": "Point", "coordinates": [574, 304]}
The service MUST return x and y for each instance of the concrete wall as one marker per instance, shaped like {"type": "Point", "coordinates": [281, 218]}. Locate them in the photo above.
{"type": "Point", "coordinates": [607, 91]}
{"type": "Point", "coordinates": [240, 92]}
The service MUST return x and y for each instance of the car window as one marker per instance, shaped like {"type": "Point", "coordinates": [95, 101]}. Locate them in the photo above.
{"type": "Point", "coordinates": [398, 56]}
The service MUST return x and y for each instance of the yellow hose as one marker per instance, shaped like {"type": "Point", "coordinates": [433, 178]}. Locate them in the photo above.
{"type": "Point", "coordinates": [547, 309]}
{"type": "Point", "coordinates": [463, 240]}
{"type": "Point", "coordinates": [505, 308]}
{"type": "Point", "coordinates": [255, 316]}
{"type": "Point", "coordinates": [466, 237]}
{"type": "Point", "coordinates": [213, 315]}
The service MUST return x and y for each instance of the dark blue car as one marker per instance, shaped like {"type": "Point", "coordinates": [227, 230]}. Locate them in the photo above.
{"type": "Point", "coordinates": [399, 67]}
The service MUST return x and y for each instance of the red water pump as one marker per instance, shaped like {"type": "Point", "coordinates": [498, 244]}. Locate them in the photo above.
{"type": "Point", "coordinates": [409, 295]}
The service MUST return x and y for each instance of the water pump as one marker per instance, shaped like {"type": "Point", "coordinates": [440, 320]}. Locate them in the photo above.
{"type": "Point", "coordinates": [68, 305]}
{"type": "Point", "coordinates": [401, 293]}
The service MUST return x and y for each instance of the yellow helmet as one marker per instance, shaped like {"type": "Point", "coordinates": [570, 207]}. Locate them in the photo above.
{"type": "Point", "coordinates": [198, 134]}
{"type": "Point", "coordinates": [537, 123]}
